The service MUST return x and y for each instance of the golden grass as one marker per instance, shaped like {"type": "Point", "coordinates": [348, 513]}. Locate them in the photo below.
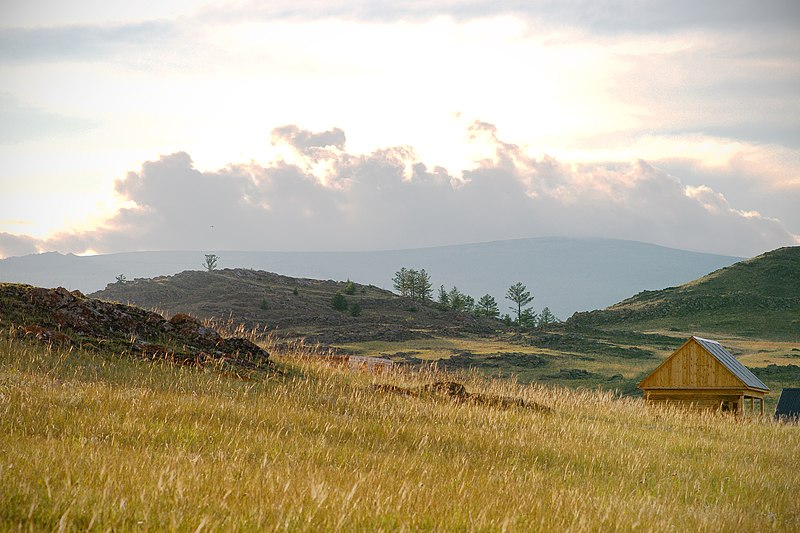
{"type": "Point", "coordinates": [89, 442]}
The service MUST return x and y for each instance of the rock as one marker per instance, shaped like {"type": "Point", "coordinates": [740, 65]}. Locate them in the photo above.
{"type": "Point", "coordinates": [63, 317]}
{"type": "Point", "coordinates": [446, 388]}
{"type": "Point", "coordinates": [192, 328]}
{"type": "Point", "coordinates": [40, 333]}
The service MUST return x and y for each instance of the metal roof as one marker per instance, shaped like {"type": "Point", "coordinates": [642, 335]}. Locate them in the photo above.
{"type": "Point", "coordinates": [789, 404]}
{"type": "Point", "coordinates": [731, 363]}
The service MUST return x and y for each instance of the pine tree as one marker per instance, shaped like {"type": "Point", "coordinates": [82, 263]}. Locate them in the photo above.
{"type": "Point", "coordinates": [444, 299]}
{"type": "Point", "coordinates": [401, 281]}
{"type": "Point", "coordinates": [423, 290]}
{"type": "Point", "coordinates": [457, 299]}
{"type": "Point", "coordinates": [519, 294]}
{"type": "Point", "coordinates": [546, 317]}
{"type": "Point", "coordinates": [487, 306]}
{"type": "Point", "coordinates": [339, 302]}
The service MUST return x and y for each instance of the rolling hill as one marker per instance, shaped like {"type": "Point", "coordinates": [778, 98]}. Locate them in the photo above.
{"type": "Point", "coordinates": [295, 307]}
{"type": "Point", "coordinates": [564, 274]}
{"type": "Point", "coordinates": [757, 298]}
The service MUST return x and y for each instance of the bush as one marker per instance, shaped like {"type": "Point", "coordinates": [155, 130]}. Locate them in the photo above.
{"type": "Point", "coordinates": [355, 309]}
{"type": "Point", "coordinates": [264, 305]}
{"type": "Point", "coordinates": [339, 302]}
{"type": "Point", "coordinates": [350, 288]}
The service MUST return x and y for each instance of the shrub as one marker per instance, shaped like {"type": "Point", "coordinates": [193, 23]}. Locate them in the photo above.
{"type": "Point", "coordinates": [350, 288]}
{"type": "Point", "coordinates": [339, 302]}
{"type": "Point", "coordinates": [355, 309]}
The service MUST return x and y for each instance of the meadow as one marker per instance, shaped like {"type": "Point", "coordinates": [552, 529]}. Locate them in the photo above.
{"type": "Point", "coordinates": [91, 441]}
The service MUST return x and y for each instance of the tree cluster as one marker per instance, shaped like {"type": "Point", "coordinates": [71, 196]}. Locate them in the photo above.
{"type": "Point", "coordinates": [455, 300]}
{"type": "Point", "coordinates": [526, 317]}
{"type": "Point", "coordinates": [413, 284]}
{"type": "Point", "coordinates": [417, 286]}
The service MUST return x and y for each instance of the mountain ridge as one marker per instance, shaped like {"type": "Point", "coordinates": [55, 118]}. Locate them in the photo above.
{"type": "Point", "coordinates": [564, 274]}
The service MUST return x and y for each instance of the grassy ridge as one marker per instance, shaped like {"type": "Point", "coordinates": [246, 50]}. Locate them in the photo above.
{"type": "Point", "coordinates": [92, 442]}
{"type": "Point", "coordinates": [757, 298]}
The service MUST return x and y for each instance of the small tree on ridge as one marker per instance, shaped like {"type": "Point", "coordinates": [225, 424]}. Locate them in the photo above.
{"type": "Point", "coordinates": [519, 294]}
{"type": "Point", "coordinates": [211, 262]}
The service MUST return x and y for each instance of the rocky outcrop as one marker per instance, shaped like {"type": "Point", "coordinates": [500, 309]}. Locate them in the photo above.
{"type": "Point", "coordinates": [63, 317]}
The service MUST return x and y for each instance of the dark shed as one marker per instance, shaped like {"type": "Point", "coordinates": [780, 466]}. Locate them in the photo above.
{"type": "Point", "coordinates": [788, 405]}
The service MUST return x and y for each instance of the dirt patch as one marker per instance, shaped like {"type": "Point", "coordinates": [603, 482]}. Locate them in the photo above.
{"type": "Point", "coordinates": [572, 373]}
{"type": "Point", "coordinates": [457, 392]}
{"type": "Point", "coordinates": [581, 344]}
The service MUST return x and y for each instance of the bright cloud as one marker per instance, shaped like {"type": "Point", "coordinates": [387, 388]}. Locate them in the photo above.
{"type": "Point", "coordinates": [705, 94]}
{"type": "Point", "coordinates": [389, 199]}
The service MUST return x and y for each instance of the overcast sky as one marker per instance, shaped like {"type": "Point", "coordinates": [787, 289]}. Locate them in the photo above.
{"type": "Point", "coordinates": [342, 125]}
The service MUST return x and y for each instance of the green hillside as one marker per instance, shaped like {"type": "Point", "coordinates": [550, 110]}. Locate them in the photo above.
{"type": "Point", "coordinates": [757, 298]}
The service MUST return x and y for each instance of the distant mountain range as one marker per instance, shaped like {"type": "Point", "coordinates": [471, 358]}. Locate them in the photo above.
{"type": "Point", "coordinates": [757, 298]}
{"type": "Point", "coordinates": [564, 274]}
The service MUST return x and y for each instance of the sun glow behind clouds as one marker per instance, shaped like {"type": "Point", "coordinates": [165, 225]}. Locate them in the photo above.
{"type": "Point", "coordinates": [400, 83]}
{"type": "Point", "coordinates": [214, 84]}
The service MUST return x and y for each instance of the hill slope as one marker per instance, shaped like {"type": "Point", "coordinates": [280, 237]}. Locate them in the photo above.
{"type": "Point", "coordinates": [62, 318]}
{"type": "Point", "coordinates": [564, 274]}
{"type": "Point", "coordinates": [91, 442]}
{"type": "Point", "coordinates": [757, 298]}
{"type": "Point", "coordinates": [294, 307]}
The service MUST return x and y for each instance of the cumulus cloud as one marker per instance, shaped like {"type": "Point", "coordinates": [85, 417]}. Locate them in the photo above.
{"type": "Point", "coordinates": [304, 139]}
{"type": "Point", "coordinates": [389, 199]}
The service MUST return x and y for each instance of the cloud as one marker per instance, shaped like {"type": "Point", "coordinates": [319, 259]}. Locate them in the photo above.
{"type": "Point", "coordinates": [76, 42]}
{"type": "Point", "coordinates": [598, 15]}
{"type": "Point", "coordinates": [14, 245]}
{"type": "Point", "coordinates": [388, 199]}
{"type": "Point", "coordinates": [303, 139]}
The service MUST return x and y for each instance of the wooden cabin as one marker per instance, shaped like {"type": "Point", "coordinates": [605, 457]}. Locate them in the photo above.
{"type": "Point", "coordinates": [704, 375]}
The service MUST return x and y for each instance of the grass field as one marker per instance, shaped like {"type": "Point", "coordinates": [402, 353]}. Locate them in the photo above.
{"type": "Point", "coordinates": [96, 442]}
{"type": "Point", "coordinates": [586, 363]}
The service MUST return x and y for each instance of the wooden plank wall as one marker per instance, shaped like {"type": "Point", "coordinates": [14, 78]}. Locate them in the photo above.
{"type": "Point", "coordinates": [692, 366]}
{"type": "Point", "coordinates": [707, 399]}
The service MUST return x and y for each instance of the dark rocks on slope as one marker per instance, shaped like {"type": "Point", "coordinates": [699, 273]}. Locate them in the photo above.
{"type": "Point", "coordinates": [69, 318]}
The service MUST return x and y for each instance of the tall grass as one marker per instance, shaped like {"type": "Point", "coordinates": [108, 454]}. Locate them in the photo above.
{"type": "Point", "coordinates": [94, 442]}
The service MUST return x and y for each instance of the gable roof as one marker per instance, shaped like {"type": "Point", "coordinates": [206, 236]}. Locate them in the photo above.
{"type": "Point", "coordinates": [731, 363]}
{"type": "Point", "coordinates": [789, 403]}
{"type": "Point", "coordinates": [722, 356]}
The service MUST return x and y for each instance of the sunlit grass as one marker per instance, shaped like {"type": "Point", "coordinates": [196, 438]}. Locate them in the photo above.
{"type": "Point", "coordinates": [92, 442]}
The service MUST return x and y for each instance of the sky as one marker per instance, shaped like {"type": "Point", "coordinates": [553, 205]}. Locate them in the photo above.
{"type": "Point", "coordinates": [345, 125]}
